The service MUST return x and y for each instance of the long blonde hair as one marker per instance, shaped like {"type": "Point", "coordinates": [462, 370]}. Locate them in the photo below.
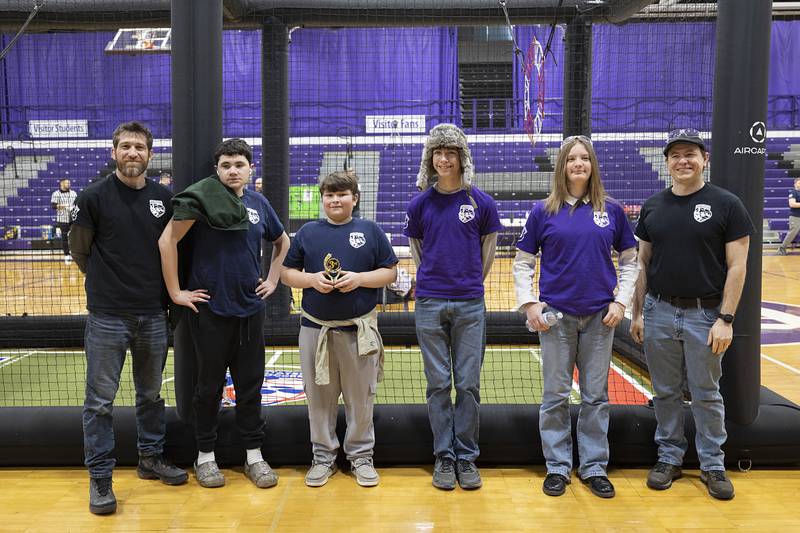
{"type": "Point", "coordinates": [559, 192]}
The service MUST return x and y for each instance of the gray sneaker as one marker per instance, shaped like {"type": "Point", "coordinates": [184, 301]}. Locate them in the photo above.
{"type": "Point", "coordinates": [156, 467]}
{"type": "Point", "coordinates": [662, 474]}
{"type": "Point", "coordinates": [261, 474]}
{"type": "Point", "coordinates": [208, 475]}
{"type": "Point", "coordinates": [101, 497]}
{"type": "Point", "coordinates": [719, 486]}
{"type": "Point", "coordinates": [319, 473]}
{"type": "Point", "coordinates": [365, 473]}
{"type": "Point", "coordinates": [781, 250]}
{"type": "Point", "coordinates": [444, 473]}
{"type": "Point", "coordinates": [468, 476]}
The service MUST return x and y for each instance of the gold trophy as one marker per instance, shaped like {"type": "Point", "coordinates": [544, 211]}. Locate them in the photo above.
{"type": "Point", "coordinates": [332, 267]}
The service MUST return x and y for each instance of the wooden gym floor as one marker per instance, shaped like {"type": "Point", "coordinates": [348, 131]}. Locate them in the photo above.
{"type": "Point", "coordinates": [55, 499]}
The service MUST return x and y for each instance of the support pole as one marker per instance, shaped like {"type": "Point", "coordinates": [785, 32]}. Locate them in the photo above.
{"type": "Point", "coordinates": [577, 113]}
{"type": "Point", "coordinates": [196, 130]}
{"type": "Point", "coordinates": [275, 138]}
{"type": "Point", "coordinates": [737, 164]}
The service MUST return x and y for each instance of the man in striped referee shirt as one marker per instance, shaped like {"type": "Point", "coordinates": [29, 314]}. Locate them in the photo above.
{"type": "Point", "coordinates": [62, 201]}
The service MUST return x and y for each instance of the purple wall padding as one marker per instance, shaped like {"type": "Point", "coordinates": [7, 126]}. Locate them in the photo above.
{"type": "Point", "coordinates": [784, 76]}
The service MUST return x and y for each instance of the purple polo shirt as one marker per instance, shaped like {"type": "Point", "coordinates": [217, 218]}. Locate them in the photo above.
{"type": "Point", "coordinates": [577, 275]}
{"type": "Point", "coordinates": [450, 229]}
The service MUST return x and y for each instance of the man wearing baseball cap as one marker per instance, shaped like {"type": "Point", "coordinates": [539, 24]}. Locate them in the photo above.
{"type": "Point", "coordinates": [693, 243]}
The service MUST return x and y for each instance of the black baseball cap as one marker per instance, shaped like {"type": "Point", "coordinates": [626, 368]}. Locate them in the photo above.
{"type": "Point", "coordinates": [686, 135]}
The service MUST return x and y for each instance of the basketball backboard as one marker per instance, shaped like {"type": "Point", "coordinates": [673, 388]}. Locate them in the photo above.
{"type": "Point", "coordinates": [140, 40]}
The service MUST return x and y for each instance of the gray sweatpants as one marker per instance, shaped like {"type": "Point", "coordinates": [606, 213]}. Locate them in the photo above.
{"type": "Point", "coordinates": [794, 227]}
{"type": "Point", "coordinates": [354, 377]}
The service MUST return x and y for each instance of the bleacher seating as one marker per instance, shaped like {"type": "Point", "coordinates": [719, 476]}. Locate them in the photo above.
{"type": "Point", "coordinates": [630, 171]}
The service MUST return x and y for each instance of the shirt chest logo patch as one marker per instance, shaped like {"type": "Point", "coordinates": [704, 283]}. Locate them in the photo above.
{"type": "Point", "coordinates": [357, 239]}
{"type": "Point", "coordinates": [74, 212]}
{"type": "Point", "coordinates": [601, 219]}
{"type": "Point", "coordinates": [252, 215]}
{"type": "Point", "coordinates": [466, 213]}
{"type": "Point", "coordinates": [157, 208]}
{"type": "Point", "coordinates": [702, 212]}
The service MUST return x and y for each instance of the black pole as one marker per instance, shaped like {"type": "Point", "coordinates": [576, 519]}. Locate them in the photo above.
{"type": "Point", "coordinates": [196, 130]}
{"type": "Point", "coordinates": [738, 154]}
{"type": "Point", "coordinates": [275, 138]}
{"type": "Point", "coordinates": [577, 114]}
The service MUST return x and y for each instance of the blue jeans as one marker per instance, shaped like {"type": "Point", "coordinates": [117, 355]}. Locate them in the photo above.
{"type": "Point", "coordinates": [675, 346]}
{"type": "Point", "coordinates": [107, 339]}
{"type": "Point", "coordinates": [586, 342]}
{"type": "Point", "coordinates": [452, 338]}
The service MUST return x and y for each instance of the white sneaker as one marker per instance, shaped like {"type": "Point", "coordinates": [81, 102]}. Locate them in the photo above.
{"type": "Point", "coordinates": [319, 473]}
{"type": "Point", "coordinates": [67, 259]}
{"type": "Point", "coordinates": [365, 472]}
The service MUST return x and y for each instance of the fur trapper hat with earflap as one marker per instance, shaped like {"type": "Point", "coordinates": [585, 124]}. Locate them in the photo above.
{"type": "Point", "coordinates": [445, 136]}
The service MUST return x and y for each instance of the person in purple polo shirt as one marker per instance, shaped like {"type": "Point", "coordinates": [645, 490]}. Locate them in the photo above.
{"type": "Point", "coordinates": [575, 228]}
{"type": "Point", "coordinates": [452, 229]}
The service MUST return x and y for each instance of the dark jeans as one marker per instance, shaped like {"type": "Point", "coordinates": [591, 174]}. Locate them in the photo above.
{"type": "Point", "coordinates": [64, 228]}
{"type": "Point", "coordinates": [107, 340]}
{"type": "Point", "coordinates": [238, 344]}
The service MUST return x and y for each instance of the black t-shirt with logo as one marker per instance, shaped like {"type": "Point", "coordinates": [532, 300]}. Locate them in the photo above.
{"type": "Point", "coordinates": [123, 273]}
{"type": "Point", "coordinates": [688, 236]}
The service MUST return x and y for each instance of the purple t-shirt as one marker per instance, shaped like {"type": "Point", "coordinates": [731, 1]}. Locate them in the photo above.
{"type": "Point", "coordinates": [450, 229]}
{"type": "Point", "coordinates": [577, 275]}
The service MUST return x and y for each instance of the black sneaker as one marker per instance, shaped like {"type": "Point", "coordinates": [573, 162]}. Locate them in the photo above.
{"type": "Point", "coordinates": [555, 484]}
{"type": "Point", "coordinates": [101, 497]}
{"type": "Point", "coordinates": [468, 476]}
{"type": "Point", "coordinates": [719, 486]}
{"type": "Point", "coordinates": [156, 467]}
{"type": "Point", "coordinates": [600, 486]}
{"type": "Point", "coordinates": [662, 474]}
{"type": "Point", "coordinates": [444, 473]}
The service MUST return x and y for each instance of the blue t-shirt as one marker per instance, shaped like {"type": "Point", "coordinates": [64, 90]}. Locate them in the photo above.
{"type": "Point", "coordinates": [359, 245]}
{"type": "Point", "coordinates": [794, 211]}
{"type": "Point", "coordinates": [577, 275]}
{"type": "Point", "coordinates": [450, 229]}
{"type": "Point", "coordinates": [228, 263]}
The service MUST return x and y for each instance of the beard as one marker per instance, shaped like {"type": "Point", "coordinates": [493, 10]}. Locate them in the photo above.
{"type": "Point", "coordinates": [131, 169]}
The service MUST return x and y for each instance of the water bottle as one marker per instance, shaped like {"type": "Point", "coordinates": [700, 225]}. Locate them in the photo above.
{"type": "Point", "coordinates": [550, 317]}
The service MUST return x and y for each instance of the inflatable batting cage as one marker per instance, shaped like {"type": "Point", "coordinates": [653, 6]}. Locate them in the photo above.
{"type": "Point", "coordinates": [317, 87]}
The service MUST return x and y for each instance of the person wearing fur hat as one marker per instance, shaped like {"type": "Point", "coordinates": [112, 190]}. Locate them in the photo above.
{"type": "Point", "coordinates": [452, 229]}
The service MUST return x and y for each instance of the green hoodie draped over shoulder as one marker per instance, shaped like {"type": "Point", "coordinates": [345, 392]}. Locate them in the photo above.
{"type": "Point", "coordinates": [212, 202]}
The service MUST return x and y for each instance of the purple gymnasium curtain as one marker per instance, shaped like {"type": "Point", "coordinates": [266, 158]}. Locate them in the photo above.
{"type": "Point", "coordinates": [784, 76]}
{"type": "Point", "coordinates": [68, 76]}
{"type": "Point", "coordinates": [241, 83]}
{"type": "Point", "coordinates": [646, 76]}
{"type": "Point", "coordinates": [338, 77]}
{"type": "Point", "coordinates": [553, 74]}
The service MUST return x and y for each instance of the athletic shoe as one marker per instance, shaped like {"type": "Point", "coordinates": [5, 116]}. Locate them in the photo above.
{"type": "Point", "coordinates": [208, 475]}
{"type": "Point", "coordinates": [555, 484]}
{"type": "Point", "coordinates": [444, 473]}
{"type": "Point", "coordinates": [719, 486]}
{"type": "Point", "coordinates": [156, 467]}
{"type": "Point", "coordinates": [781, 250]}
{"type": "Point", "coordinates": [261, 474]}
{"type": "Point", "coordinates": [662, 474]}
{"type": "Point", "coordinates": [67, 259]}
{"type": "Point", "coordinates": [600, 486]}
{"type": "Point", "coordinates": [365, 473]}
{"type": "Point", "coordinates": [101, 496]}
{"type": "Point", "coordinates": [468, 476]}
{"type": "Point", "coordinates": [319, 473]}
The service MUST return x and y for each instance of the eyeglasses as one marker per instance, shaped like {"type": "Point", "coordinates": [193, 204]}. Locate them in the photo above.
{"type": "Point", "coordinates": [582, 138]}
{"type": "Point", "coordinates": [685, 132]}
